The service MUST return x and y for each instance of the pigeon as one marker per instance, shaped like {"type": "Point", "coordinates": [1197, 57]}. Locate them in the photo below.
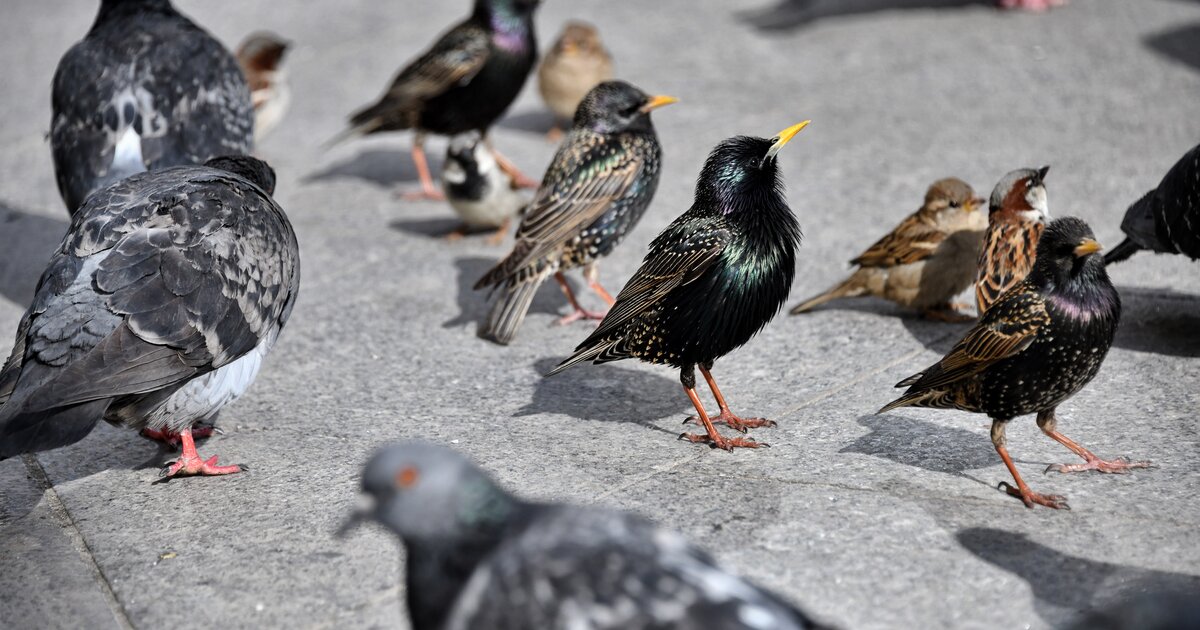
{"type": "Point", "coordinates": [575, 64]}
{"type": "Point", "coordinates": [712, 279]}
{"type": "Point", "coordinates": [465, 82]}
{"type": "Point", "coordinates": [923, 262]}
{"type": "Point", "coordinates": [1017, 214]}
{"type": "Point", "coordinates": [1039, 344]}
{"type": "Point", "coordinates": [1167, 219]}
{"type": "Point", "coordinates": [482, 194]}
{"type": "Point", "coordinates": [596, 189]}
{"type": "Point", "coordinates": [479, 557]}
{"type": "Point", "coordinates": [145, 89]}
{"type": "Point", "coordinates": [261, 57]}
{"type": "Point", "coordinates": [157, 310]}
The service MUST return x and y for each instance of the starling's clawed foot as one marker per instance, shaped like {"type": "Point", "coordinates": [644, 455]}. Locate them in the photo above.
{"type": "Point", "coordinates": [579, 314]}
{"type": "Point", "coordinates": [724, 443]}
{"type": "Point", "coordinates": [1120, 465]}
{"type": "Point", "coordinates": [191, 465]}
{"type": "Point", "coordinates": [741, 425]}
{"type": "Point", "coordinates": [1029, 497]}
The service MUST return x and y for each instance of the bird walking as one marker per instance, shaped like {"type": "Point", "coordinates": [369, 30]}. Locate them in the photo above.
{"type": "Point", "coordinates": [464, 82]}
{"type": "Point", "coordinates": [596, 189]}
{"type": "Point", "coordinates": [260, 56]}
{"type": "Point", "coordinates": [924, 261]}
{"type": "Point", "coordinates": [479, 557]}
{"type": "Point", "coordinates": [711, 280]}
{"type": "Point", "coordinates": [145, 89]}
{"type": "Point", "coordinates": [483, 195]}
{"type": "Point", "coordinates": [1038, 345]}
{"type": "Point", "coordinates": [575, 64]}
{"type": "Point", "coordinates": [157, 310]}
{"type": "Point", "coordinates": [1165, 220]}
{"type": "Point", "coordinates": [1017, 214]}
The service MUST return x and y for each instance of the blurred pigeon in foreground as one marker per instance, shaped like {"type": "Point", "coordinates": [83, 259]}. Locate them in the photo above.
{"type": "Point", "coordinates": [1167, 219]}
{"type": "Point", "coordinates": [261, 57]}
{"type": "Point", "coordinates": [156, 311]}
{"type": "Point", "coordinates": [478, 557]}
{"type": "Point", "coordinates": [145, 89]}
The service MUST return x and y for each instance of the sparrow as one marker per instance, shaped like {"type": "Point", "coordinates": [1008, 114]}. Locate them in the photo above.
{"type": "Point", "coordinates": [923, 262]}
{"type": "Point", "coordinates": [261, 57]}
{"type": "Point", "coordinates": [145, 89]}
{"type": "Point", "coordinates": [711, 280]}
{"type": "Point", "coordinates": [595, 190]}
{"type": "Point", "coordinates": [465, 82]}
{"type": "Point", "coordinates": [1166, 219]}
{"type": "Point", "coordinates": [577, 63]}
{"type": "Point", "coordinates": [168, 291]}
{"type": "Point", "coordinates": [482, 194]}
{"type": "Point", "coordinates": [1017, 213]}
{"type": "Point", "coordinates": [1040, 343]}
{"type": "Point", "coordinates": [479, 557]}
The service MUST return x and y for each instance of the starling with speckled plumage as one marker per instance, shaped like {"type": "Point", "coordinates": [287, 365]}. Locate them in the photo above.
{"type": "Point", "coordinates": [1017, 214]}
{"type": "Point", "coordinates": [1165, 220]}
{"type": "Point", "coordinates": [1038, 345]}
{"type": "Point", "coordinates": [465, 82]}
{"type": "Point", "coordinates": [711, 280]}
{"type": "Point", "coordinates": [596, 189]}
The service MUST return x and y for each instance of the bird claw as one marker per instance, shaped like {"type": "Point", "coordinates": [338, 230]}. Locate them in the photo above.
{"type": "Point", "coordinates": [740, 425]}
{"type": "Point", "coordinates": [194, 466]}
{"type": "Point", "coordinates": [723, 443]}
{"type": "Point", "coordinates": [581, 314]}
{"type": "Point", "coordinates": [1029, 498]}
{"type": "Point", "coordinates": [1118, 466]}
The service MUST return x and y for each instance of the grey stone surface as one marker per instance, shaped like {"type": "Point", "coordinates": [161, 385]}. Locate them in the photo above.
{"type": "Point", "coordinates": [870, 521]}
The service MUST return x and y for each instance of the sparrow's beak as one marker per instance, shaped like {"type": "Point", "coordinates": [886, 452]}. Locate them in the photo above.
{"type": "Point", "coordinates": [1042, 172]}
{"type": "Point", "coordinates": [976, 203]}
{"type": "Point", "coordinates": [356, 518]}
{"type": "Point", "coordinates": [785, 136]}
{"type": "Point", "coordinates": [1087, 246]}
{"type": "Point", "coordinates": [569, 48]}
{"type": "Point", "coordinates": [657, 101]}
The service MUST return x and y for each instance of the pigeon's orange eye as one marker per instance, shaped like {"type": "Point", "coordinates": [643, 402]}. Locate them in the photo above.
{"type": "Point", "coordinates": [406, 477]}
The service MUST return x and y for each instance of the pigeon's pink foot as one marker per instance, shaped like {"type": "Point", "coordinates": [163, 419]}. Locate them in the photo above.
{"type": "Point", "coordinates": [172, 439]}
{"type": "Point", "coordinates": [189, 463]}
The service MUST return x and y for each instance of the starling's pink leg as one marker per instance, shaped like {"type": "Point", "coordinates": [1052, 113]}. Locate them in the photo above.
{"type": "Point", "coordinates": [189, 463]}
{"type": "Point", "coordinates": [580, 312]}
{"type": "Point", "coordinates": [1048, 424]}
{"type": "Point", "coordinates": [591, 273]}
{"type": "Point", "coordinates": [712, 437]}
{"type": "Point", "coordinates": [428, 190]}
{"type": "Point", "coordinates": [172, 439]}
{"type": "Point", "coordinates": [726, 416]}
{"type": "Point", "coordinates": [1022, 491]}
{"type": "Point", "coordinates": [497, 237]}
{"type": "Point", "coordinates": [520, 180]}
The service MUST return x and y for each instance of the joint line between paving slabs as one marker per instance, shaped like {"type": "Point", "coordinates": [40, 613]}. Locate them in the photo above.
{"type": "Point", "coordinates": [59, 510]}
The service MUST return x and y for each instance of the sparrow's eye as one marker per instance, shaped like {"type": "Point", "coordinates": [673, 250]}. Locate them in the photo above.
{"type": "Point", "coordinates": [955, 204]}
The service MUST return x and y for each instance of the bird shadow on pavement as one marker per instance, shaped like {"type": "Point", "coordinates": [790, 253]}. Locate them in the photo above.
{"type": "Point", "coordinates": [473, 305]}
{"type": "Point", "coordinates": [537, 121]}
{"type": "Point", "coordinates": [925, 445]}
{"type": "Point", "coordinates": [386, 168]}
{"type": "Point", "coordinates": [793, 14]}
{"type": "Point", "coordinates": [1064, 585]}
{"type": "Point", "coordinates": [26, 242]}
{"type": "Point", "coordinates": [607, 393]}
{"type": "Point", "coordinates": [429, 228]}
{"type": "Point", "coordinates": [1159, 321]}
{"type": "Point", "coordinates": [1181, 44]}
{"type": "Point", "coordinates": [934, 335]}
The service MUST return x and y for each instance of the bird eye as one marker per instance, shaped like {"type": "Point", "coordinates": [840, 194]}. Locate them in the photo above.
{"type": "Point", "coordinates": [955, 204]}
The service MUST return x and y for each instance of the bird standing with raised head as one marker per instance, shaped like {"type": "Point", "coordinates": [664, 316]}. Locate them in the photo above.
{"type": "Point", "coordinates": [478, 557]}
{"type": "Point", "coordinates": [1038, 345]}
{"type": "Point", "coordinates": [261, 57]}
{"type": "Point", "coordinates": [923, 262]}
{"type": "Point", "coordinates": [1017, 214]}
{"type": "Point", "coordinates": [711, 280]}
{"type": "Point", "coordinates": [595, 190]}
{"type": "Point", "coordinates": [483, 195]}
{"type": "Point", "coordinates": [575, 64]}
{"type": "Point", "coordinates": [157, 310]}
{"type": "Point", "coordinates": [465, 82]}
{"type": "Point", "coordinates": [144, 90]}
{"type": "Point", "coordinates": [1165, 220]}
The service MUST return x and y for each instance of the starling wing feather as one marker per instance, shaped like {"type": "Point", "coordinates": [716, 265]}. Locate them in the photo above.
{"type": "Point", "coordinates": [913, 240]}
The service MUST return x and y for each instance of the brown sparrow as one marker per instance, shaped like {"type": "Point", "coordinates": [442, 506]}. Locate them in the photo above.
{"type": "Point", "coordinates": [576, 64]}
{"type": "Point", "coordinates": [261, 57]}
{"type": "Point", "coordinates": [1017, 213]}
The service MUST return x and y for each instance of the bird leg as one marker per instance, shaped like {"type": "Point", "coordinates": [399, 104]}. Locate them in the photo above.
{"type": "Point", "coordinates": [1031, 5]}
{"type": "Point", "coordinates": [591, 273]}
{"type": "Point", "coordinates": [457, 233]}
{"type": "Point", "coordinates": [1022, 491]}
{"type": "Point", "coordinates": [189, 463]}
{"type": "Point", "coordinates": [726, 416]}
{"type": "Point", "coordinates": [1048, 424]}
{"type": "Point", "coordinates": [520, 180]}
{"type": "Point", "coordinates": [555, 134]}
{"type": "Point", "coordinates": [171, 439]}
{"type": "Point", "coordinates": [497, 237]}
{"type": "Point", "coordinates": [428, 190]}
{"type": "Point", "coordinates": [714, 439]}
{"type": "Point", "coordinates": [580, 312]}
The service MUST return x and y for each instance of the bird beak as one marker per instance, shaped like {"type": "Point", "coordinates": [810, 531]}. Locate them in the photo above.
{"type": "Point", "coordinates": [784, 137]}
{"type": "Point", "coordinates": [569, 48]}
{"type": "Point", "coordinates": [1087, 246]}
{"type": "Point", "coordinates": [976, 203]}
{"type": "Point", "coordinates": [1042, 172]}
{"type": "Point", "coordinates": [356, 518]}
{"type": "Point", "coordinates": [657, 101]}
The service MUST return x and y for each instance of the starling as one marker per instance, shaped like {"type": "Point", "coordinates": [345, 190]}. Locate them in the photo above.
{"type": "Point", "coordinates": [926, 260]}
{"type": "Point", "coordinates": [144, 90]}
{"type": "Point", "coordinates": [596, 189]}
{"type": "Point", "coordinates": [1038, 345]}
{"type": "Point", "coordinates": [479, 557]}
{"type": "Point", "coordinates": [261, 57]}
{"type": "Point", "coordinates": [575, 64]}
{"type": "Point", "coordinates": [156, 311]}
{"type": "Point", "coordinates": [465, 82]}
{"type": "Point", "coordinates": [711, 280]}
{"type": "Point", "coordinates": [1017, 214]}
{"type": "Point", "coordinates": [482, 194]}
{"type": "Point", "coordinates": [1166, 219]}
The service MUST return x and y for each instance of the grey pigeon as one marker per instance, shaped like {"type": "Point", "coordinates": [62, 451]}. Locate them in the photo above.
{"type": "Point", "coordinates": [145, 89]}
{"type": "Point", "coordinates": [1167, 219]}
{"type": "Point", "coordinates": [479, 557]}
{"type": "Point", "coordinates": [156, 310]}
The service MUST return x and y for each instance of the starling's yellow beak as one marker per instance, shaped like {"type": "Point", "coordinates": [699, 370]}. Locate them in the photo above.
{"type": "Point", "coordinates": [785, 136]}
{"type": "Point", "coordinates": [1087, 246]}
{"type": "Point", "coordinates": [657, 101]}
